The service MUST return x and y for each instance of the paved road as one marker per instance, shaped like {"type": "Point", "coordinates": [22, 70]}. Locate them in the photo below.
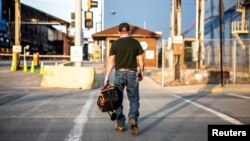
{"type": "Point", "coordinates": [30, 112]}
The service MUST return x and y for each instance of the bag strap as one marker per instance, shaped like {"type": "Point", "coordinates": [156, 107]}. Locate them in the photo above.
{"type": "Point", "coordinates": [112, 116]}
{"type": "Point", "coordinates": [107, 85]}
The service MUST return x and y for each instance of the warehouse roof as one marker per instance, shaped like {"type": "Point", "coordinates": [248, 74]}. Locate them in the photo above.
{"type": "Point", "coordinates": [134, 31]}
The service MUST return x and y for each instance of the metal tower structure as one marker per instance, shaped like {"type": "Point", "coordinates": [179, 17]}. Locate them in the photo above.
{"type": "Point", "coordinates": [199, 32]}
{"type": "Point", "coordinates": [240, 27]}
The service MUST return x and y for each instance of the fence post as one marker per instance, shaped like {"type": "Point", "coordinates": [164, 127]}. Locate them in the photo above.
{"type": "Point", "coordinates": [249, 57]}
{"type": "Point", "coordinates": [163, 63]}
{"type": "Point", "coordinates": [234, 61]}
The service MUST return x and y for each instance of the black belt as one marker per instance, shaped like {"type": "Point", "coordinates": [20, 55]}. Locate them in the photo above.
{"type": "Point", "coordinates": [128, 70]}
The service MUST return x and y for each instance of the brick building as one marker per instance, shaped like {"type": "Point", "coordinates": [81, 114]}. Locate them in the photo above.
{"type": "Point", "coordinates": [148, 40]}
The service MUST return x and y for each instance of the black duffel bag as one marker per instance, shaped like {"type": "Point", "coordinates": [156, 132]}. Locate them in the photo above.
{"type": "Point", "coordinates": [108, 101]}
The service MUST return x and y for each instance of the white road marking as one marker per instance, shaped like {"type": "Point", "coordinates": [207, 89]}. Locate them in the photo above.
{"type": "Point", "coordinates": [81, 119]}
{"type": "Point", "coordinates": [219, 114]}
{"type": "Point", "coordinates": [240, 96]}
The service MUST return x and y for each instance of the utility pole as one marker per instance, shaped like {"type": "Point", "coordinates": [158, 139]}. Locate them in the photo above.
{"type": "Point", "coordinates": [199, 34]}
{"type": "Point", "coordinates": [176, 39]}
{"type": "Point", "coordinates": [175, 20]}
{"type": "Point", "coordinates": [78, 24]}
{"type": "Point", "coordinates": [78, 27]}
{"type": "Point", "coordinates": [178, 17]}
{"type": "Point", "coordinates": [15, 53]}
{"type": "Point", "coordinates": [221, 13]}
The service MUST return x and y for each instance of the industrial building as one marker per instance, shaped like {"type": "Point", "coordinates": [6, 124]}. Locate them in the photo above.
{"type": "Point", "coordinates": [37, 30]}
{"type": "Point", "coordinates": [235, 33]}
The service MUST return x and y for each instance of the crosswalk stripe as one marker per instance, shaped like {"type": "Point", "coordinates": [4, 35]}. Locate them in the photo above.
{"type": "Point", "coordinates": [219, 114]}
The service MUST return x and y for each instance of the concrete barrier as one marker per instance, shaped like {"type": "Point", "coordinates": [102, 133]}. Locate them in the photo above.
{"type": "Point", "coordinates": [69, 77]}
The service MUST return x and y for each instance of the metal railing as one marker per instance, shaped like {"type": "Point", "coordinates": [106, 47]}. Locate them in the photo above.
{"type": "Point", "coordinates": [237, 26]}
{"type": "Point", "coordinates": [41, 57]}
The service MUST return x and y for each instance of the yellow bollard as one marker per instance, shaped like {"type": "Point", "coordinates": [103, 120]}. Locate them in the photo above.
{"type": "Point", "coordinates": [12, 68]}
{"type": "Point", "coordinates": [41, 68]}
{"type": "Point", "coordinates": [36, 59]}
{"type": "Point", "coordinates": [25, 69]}
{"type": "Point", "coordinates": [14, 62]}
{"type": "Point", "coordinates": [32, 69]}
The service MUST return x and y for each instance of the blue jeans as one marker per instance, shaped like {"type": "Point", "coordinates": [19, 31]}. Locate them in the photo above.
{"type": "Point", "coordinates": [128, 79]}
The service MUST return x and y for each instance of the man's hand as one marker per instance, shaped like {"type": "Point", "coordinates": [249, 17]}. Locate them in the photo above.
{"type": "Point", "coordinates": [140, 76]}
{"type": "Point", "coordinates": [106, 81]}
{"type": "Point", "coordinates": [140, 59]}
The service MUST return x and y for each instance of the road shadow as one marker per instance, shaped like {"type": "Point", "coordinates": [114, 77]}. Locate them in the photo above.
{"type": "Point", "coordinates": [174, 107]}
{"type": "Point", "coordinates": [208, 88]}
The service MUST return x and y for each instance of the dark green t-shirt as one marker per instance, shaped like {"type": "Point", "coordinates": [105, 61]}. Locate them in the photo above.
{"type": "Point", "coordinates": [126, 51]}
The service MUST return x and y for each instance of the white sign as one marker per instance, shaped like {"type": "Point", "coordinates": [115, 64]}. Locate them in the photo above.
{"type": "Point", "coordinates": [178, 39]}
{"type": "Point", "coordinates": [17, 48]}
{"type": "Point", "coordinates": [149, 54]}
{"type": "Point", "coordinates": [144, 45]}
{"type": "Point", "coordinates": [76, 53]}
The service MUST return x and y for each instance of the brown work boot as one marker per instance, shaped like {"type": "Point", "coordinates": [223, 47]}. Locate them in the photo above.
{"type": "Point", "coordinates": [119, 128]}
{"type": "Point", "coordinates": [134, 127]}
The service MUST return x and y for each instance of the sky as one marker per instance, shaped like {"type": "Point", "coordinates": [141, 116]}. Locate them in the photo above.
{"type": "Point", "coordinates": [157, 18]}
{"type": "Point", "coordinates": [58, 8]}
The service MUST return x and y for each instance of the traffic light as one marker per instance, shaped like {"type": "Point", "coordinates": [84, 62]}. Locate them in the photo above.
{"type": "Point", "coordinates": [72, 16]}
{"type": "Point", "coordinates": [89, 15]}
{"type": "Point", "coordinates": [88, 19]}
{"type": "Point", "coordinates": [92, 4]}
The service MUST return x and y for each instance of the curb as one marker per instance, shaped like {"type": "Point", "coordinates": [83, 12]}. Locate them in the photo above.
{"type": "Point", "coordinates": [213, 90]}
{"type": "Point", "coordinates": [226, 90]}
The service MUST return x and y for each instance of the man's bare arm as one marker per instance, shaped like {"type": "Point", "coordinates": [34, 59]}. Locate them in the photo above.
{"type": "Point", "coordinates": [111, 62]}
{"type": "Point", "coordinates": [140, 59]}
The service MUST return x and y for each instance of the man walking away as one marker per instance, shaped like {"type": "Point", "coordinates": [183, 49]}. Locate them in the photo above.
{"type": "Point", "coordinates": [124, 55]}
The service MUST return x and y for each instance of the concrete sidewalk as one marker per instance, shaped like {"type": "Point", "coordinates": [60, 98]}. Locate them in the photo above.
{"type": "Point", "coordinates": [149, 84]}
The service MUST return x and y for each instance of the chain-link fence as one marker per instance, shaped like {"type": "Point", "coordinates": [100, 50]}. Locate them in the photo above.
{"type": "Point", "coordinates": [235, 58]}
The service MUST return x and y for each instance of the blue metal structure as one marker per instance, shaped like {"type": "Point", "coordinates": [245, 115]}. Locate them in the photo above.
{"type": "Point", "coordinates": [212, 25]}
{"type": "Point", "coordinates": [232, 33]}
{"type": "Point", "coordinates": [4, 37]}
